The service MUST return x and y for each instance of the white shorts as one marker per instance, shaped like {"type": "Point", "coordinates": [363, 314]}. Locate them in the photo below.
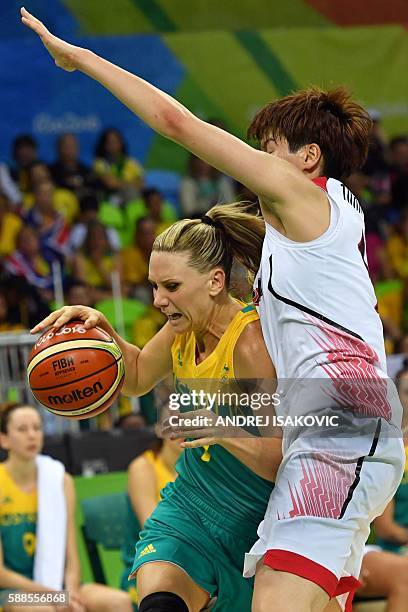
{"type": "Point", "coordinates": [319, 513]}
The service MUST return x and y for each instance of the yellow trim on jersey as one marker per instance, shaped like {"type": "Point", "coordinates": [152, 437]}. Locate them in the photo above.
{"type": "Point", "coordinates": [219, 365]}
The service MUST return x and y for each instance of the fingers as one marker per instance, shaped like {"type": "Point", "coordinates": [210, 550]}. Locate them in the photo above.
{"type": "Point", "coordinates": [58, 318]}
{"type": "Point", "coordinates": [200, 442]}
{"type": "Point", "coordinates": [46, 322]}
{"type": "Point", "coordinates": [32, 22]}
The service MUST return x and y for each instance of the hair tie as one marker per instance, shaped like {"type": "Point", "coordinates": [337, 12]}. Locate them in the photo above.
{"type": "Point", "coordinates": [213, 222]}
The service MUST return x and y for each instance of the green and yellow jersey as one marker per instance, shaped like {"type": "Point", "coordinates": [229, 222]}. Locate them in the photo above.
{"type": "Point", "coordinates": [18, 520]}
{"type": "Point", "coordinates": [215, 474]}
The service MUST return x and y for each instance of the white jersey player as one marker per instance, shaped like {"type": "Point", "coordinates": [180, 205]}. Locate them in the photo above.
{"type": "Point", "coordinates": [318, 313]}
{"type": "Point", "coordinates": [304, 136]}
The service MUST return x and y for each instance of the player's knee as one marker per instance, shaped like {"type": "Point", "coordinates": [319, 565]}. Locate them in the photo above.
{"type": "Point", "coordinates": [163, 601]}
{"type": "Point", "coordinates": [121, 601]}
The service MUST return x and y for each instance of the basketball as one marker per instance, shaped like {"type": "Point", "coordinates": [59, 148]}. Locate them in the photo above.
{"type": "Point", "coordinates": [76, 372]}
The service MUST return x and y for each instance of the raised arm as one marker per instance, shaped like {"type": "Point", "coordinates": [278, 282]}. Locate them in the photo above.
{"type": "Point", "coordinates": [144, 368]}
{"type": "Point", "coordinates": [276, 181]}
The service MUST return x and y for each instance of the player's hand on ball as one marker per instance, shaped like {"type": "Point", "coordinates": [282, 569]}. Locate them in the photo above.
{"type": "Point", "coordinates": [90, 317]}
{"type": "Point", "coordinates": [63, 53]}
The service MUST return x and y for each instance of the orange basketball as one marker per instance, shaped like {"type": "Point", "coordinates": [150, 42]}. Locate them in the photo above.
{"type": "Point", "coordinates": [76, 372]}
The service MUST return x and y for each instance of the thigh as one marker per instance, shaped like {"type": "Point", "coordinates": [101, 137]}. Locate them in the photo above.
{"type": "Point", "coordinates": [382, 571]}
{"type": "Point", "coordinates": [175, 535]}
{"type": "Point", "coordinates": [277, 591]}
{"type": "Point", "coordinates": [228, 564]}
{"type": "Point", "coordinates": [162, 576]}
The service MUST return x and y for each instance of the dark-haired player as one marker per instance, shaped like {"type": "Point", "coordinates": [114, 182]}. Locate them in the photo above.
{"type": "Point", "coordinates": [318, 316]}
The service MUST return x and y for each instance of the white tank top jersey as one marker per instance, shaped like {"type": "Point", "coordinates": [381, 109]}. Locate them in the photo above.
{"type": "Point", "coordinates": [317, 304]}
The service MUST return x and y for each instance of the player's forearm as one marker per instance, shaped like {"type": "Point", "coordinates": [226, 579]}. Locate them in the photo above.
{"type": "Point", "coordinates": [130, 354]}
{"type": "Point", "coordinates": [13, 580]}
{"type": "Point", "coordinates": [392, 532]}
{"type": "Point", "coordinates": [256, 453]}
{"type": "Point", "coordinates": [159, 110]}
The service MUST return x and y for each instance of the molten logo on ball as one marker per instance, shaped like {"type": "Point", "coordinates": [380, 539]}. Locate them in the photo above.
{"type": "Point", "coordinates": [76, 372]}
{"type": "Point", "coordinates": [75, 395]}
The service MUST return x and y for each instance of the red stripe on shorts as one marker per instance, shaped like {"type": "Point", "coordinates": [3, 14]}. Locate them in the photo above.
{"type": "Point", "coordinates": [286, 561]}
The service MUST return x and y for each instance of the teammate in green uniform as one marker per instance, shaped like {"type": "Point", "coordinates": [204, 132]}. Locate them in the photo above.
{"type": "Point", "coordinates": [21, 435]}
{"type": "Point", "coordinates": [192, 548]}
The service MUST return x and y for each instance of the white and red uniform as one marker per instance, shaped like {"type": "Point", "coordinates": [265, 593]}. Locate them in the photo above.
{"type": "Point", "coordinates": [318, 314]}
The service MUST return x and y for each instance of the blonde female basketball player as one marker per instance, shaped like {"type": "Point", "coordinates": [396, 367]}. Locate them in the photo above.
{"type": "Point", "coordinates": [192, 548]}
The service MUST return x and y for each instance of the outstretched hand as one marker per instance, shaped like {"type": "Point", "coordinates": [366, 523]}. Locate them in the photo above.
{"type": "Point", "coordinates": [63, 53]}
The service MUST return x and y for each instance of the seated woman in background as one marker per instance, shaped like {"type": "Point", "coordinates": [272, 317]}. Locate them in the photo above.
{"type": "Point", "coordinates": [37, 508]}
{"type": "Point", "coordinates": [64, 201]}
{"type": "Point", "coordinates": [94, 263]}
{"type": "Point", "coordinates": [119, 174]}
{"type": "Point", "coordinates": [148, 474]}
{"type": "Point", "coordinates": [68, 171]}
{"type": "Point", "coordinates": [385, 565]}
{"type": "Point", "coordinates": [29, 263]}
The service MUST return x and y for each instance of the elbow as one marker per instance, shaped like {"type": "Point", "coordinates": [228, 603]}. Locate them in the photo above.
{"type": "Point", "coordinates": [174, 121]}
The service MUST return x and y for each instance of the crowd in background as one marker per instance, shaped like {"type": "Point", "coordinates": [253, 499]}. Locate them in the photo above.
{"type": "Point", "coordinates": [94, 226]}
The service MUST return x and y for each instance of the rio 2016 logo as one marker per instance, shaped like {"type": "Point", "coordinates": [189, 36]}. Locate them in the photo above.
{"type": "Point", "coordinates": [76, 329]}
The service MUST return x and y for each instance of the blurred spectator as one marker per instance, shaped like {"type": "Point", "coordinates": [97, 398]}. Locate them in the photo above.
{"type": "Point", "coordinates": [94, 263]}
{"type": "Point", "coordinates": [89, 208]}
{"type": "Point", "coordinates": [28, 262]}
{"type": "Point", "coordinates": [162, 213]}
{"type": "Point", "coordinates": [203, 187]}
{"type": "Point", "coordinates": [118, 173]}
{"type": "Point", "coordinates": [6, 324]}
{"type": "Point", "coordinates": [10, 225]}
{"type": "Point", "coordinates": [403, 349]}
{"type": "Point", "coordinates": [25, 304]}
{"type": "Point", "coordinates": [24, 154]}
{"type": "Point", "coordinates": [135, 260]}
{"type": "Point", "coordinates": [397, 247]}
{"type": "Point", "coordinates": [64, 201]}
{"type": "Point", "coordinates": [130, 421]}
{"type": "Point", "coordinates": [378, 265]}
{"type": "Point", "coordinates": [68, 171]}
{"type": "Point", "coordinates": [51, 226]}
{"type": "Point", "coordinates": [377, 159]}
{"type": "Point", "coordinates": [8, 187]}
{"type": "Point", "coordinates": [124, 219]}
{"type": "Point", "coordinates": [399, 171]}
{"type": "Point", "coordinates": [78, 293]}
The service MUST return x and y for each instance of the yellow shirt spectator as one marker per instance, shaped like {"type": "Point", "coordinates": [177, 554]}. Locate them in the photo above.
{"type": "Point", "coordinates": [128, 170]}
{"type": "Point", "coordinates": [10, 226]}
{"type": "Point", "coordinates": [65, 202]}
{"type": "Point", "coordinates": [134, 265]}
